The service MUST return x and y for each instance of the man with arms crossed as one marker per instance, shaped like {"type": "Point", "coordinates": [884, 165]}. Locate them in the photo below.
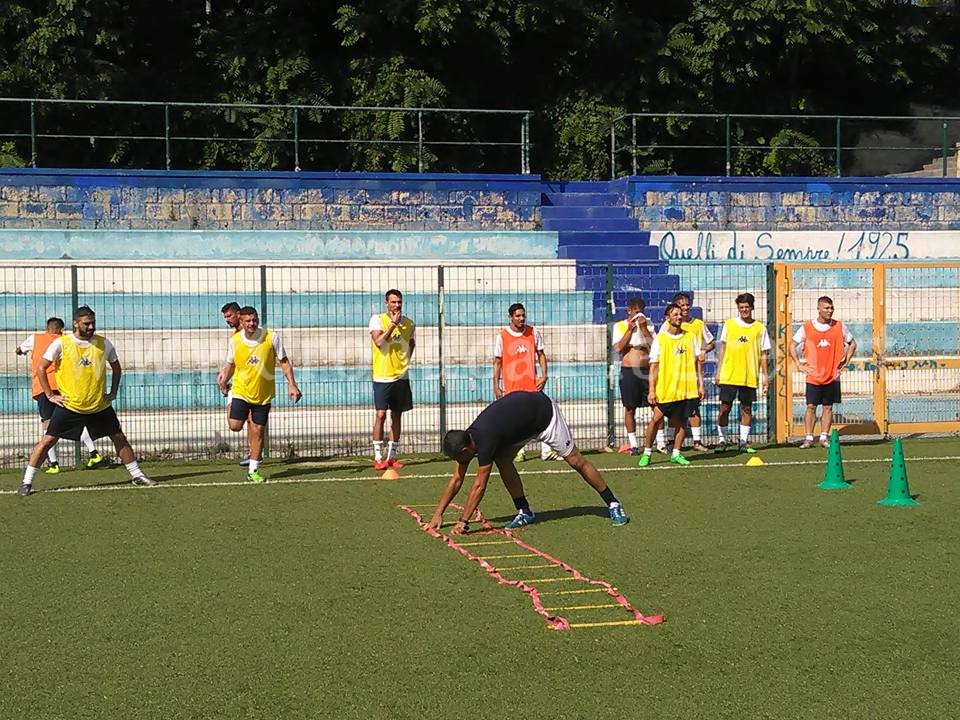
{"type": "Point", "coordinates": [827, 348]}
{"type": "Point", "coordinates": [494, 438]}
{"type": "Point", "coordinates": [253, 355]}
{"type": "Point", "coordinates": [676, 382]}
{"type": "Point", "coordinates": [392, 342]}
{"type": "Point", "coordinates": [81, 359]}
{"type": "Point", "coordinates": [517, 352]}
{"type": "Point", "coordinates": [744, 347]}
{"type": "Point", "coordinates": [632, 338]}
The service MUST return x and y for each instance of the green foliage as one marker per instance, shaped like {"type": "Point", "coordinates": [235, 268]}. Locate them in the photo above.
{"type": "Point", "coordinates": [582, 125]}
{"type": "Point", "coordinates": [9, 156]}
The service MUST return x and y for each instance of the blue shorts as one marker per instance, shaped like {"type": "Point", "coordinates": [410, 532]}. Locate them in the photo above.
{"type": "Point", "coordinates": [242, 410]}
{"type": "Point", "coordinates": [395, 396]}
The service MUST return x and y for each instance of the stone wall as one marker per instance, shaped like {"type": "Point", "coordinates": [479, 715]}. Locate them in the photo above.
{"type": "Point", "coordinates": [92, 199]}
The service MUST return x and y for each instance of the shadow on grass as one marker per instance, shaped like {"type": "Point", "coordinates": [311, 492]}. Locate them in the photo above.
{"type": "Point", "coordinates": [127, 481]}
{"type": "Point", "coordinates": [548, 515]}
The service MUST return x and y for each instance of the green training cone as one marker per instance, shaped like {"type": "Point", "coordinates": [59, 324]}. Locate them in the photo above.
{"type": "Point", "coordinates": [898, 491]}
{"type": "Point", "coordinates": [833, 476]}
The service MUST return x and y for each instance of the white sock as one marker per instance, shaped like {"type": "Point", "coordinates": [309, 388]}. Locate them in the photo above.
{"type": "Point", "coordinates": [720, 434]}
{"type": "Point", "coordinates": [695, 431]}
{"type": "Point", "coordinates": [648, 451]}
{"type": "Point", "coordinates": [134, 469]}
{"type": "Point", "coordinates": [810, 438]}
{"type": "Point", "coordinates": [660, 439]}
{"type": "Point", "coordinates": [254, 466]}
{"type": "Point", "coordinates": [615, 503]}
{"type": "Point", "coordinates": [823, 436]}
{"type": "Point", "coordinates": [378, 450]}
{"type": "Point", "coordinates": [52, 455]}
{"type": "Point", "coordinates": [675, 452]}
{"type": "Point", "coordinates": [28, 475]}
{"type": "Point", "coordinates": [744, 433]}
{"type": "Point", "coordinates": [632, 439]}
{"type": "Point", "coordinates": [392, 447]}
{"type": "Point", "coordinates": [88, 441]}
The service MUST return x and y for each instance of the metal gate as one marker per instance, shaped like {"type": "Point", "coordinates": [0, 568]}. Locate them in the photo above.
{"type": "Point", "coordinates": [905, 317]}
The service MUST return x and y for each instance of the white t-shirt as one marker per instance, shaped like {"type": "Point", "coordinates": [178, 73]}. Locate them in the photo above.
{"type": "Point", "coordinates": [376, 326]}
{"type": "Point", "coordinates": [765, 344]}
{"type": "Point", "coordinates": [655, 348]}
{"type": "Point", "coordinates": [800, 336]}
{"type": "Point", "coordinates": [27, 345]}
{"type": "Point", "coordinates": [55, 349]}
{"type": "Point", "coordinates": [252, 342]}
{"type": "Point", "coordinates": [498, 343]}
{"type": "Point", "coordinates": [636, 340]}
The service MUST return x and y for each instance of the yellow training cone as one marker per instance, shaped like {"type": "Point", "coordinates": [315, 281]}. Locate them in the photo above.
{"type": "Point", "coordinates": [755, 461]}
{"type": "Point", "coordinates": [390, 474]}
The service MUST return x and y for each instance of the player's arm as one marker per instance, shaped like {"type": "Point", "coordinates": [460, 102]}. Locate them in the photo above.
{"type": "Point", "coordinates": [115, 372]}
{"type": "Point", "coordinates": [449, 493]}
{"type": "Point", "coordinates": [652, 393]}
{"type": "Point", "coordinates": [53, 397]}
{"type": "Point", "coordinates": [473, 499]}
{"type": "Point", "coordinates": [795, 354]}
{"type": "Point", "coordinates": [293, 390]}
{"type": "Point", "coordinates": [721, 350]}
{"type": "Point", "coordinates": [542, 360]}
{"type": "Point", "coordinates": [497, 371]}
{"type": "Point", "coordinates": [622, 346]}
{"type": "Point", "coordinates": [698, 364]}
{"type": "Point", "coordinates": [764, 364]}
{"type": "Point", "coordinates": [224, 377]}
{"type": "Point", "coordinates": [851, 349]}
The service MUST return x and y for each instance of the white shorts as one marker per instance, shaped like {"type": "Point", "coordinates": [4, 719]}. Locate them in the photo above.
{"type": "Point", "coordinates": [557, 435]}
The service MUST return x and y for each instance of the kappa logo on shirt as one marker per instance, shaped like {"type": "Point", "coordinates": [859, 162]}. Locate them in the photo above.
{"type": "Point", "coordinates": [823, 343]}
{"type": "Point", "coordinates": [742, 339]}
{"type": "Point", "coordinates": [253, 360]}
{"type": "Point", "coordinates": [85, 362]}
{"type": "Point", "coordinates": [521, 350]}
{"type": "Point", "coordinates": [680, 351]}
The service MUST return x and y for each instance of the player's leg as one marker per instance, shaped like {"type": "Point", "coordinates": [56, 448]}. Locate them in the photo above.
{"type": "Point", "coordinates": [513, 484]}
{"type": "Point", "coordinates": [648, 439]}
{"type": "Point", "coordinates": [106, 424]}
{"type": "Point", "coordinates": [588, 471]}
{"type": "Point", "coordinates": [826, 423]}
{"type": "Point", "coordinates": [678, 421]}
{"type": "Point", "coordinates": [34, 462]}
{"type": "Point", "coordinates": [810, 414]}
{"type": "Point", "coordinates": [256, 431]}
{"type": "Point", "coordinates": [747, 397]}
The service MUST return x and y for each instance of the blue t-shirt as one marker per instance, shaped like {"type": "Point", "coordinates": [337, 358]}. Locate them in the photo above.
{"type": "Point", "coordinates": [511, 420]}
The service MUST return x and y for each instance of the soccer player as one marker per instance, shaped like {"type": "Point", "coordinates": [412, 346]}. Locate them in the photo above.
{"type": "Point", "coordinates": [676, 382]}
{"type": "Point", "coordinates": [494, 438]}
{"type": "Point", "coordinates": [231, 316]}
{"type": "Point", "coordinates": [392, 342]}
{"type": "Point", "coordinates": [81, 360]}
{"type": "Point", "coordinates": [827, 347]}
{"type": "Point", "coordinates": [744, 348]}
{"type": "Point", "coordinates": [705, 338]}
{"type": "Point", "coordinates": [517, 352]}
{"type": "Point", "coordinates": [632, 338]}
{"type": "Point", "coordinates": [252, 357]}
{"type": "Point", "coordinates": [37, 344]}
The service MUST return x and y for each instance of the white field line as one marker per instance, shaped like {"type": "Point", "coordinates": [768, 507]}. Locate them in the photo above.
{"type": "Point", "coordinates": [663, 465]}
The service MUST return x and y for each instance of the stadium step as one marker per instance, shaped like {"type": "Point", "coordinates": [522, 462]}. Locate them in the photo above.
{"type": "Point", "coordinates": [623, 238]}
{"type": "Point", "coordinates": [583, 211]}
{"type": "Point", "coordinates": [592, 223]}
{"type": "Point", "coordinates": [626, 279]}
{"type": "Point", "coordinates": [607, 253]}
{"type": "Point", "coordinates": [584, 198]}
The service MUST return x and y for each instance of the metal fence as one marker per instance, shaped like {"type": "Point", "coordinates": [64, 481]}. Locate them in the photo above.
{"type": "Point", "coordinates": [248, 136]}
{"type": "Point", "coordinates": [165, 322]}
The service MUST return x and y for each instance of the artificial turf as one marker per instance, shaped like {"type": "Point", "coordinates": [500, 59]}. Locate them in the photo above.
{"type": "Point", "coordinates": [314, 596]}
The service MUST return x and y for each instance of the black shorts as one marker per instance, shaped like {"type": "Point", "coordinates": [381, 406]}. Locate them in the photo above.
{"type": "Point", "coordinates": [44, 406]}
{"type": "Point", "coordinates": [634, 387]}
{"type": "Point", "coordinates": [823, 394]}
{"type": "Point", "coordinates": [746, 395]}
{"type": "Point", "coordinates": [242, 410]}
{"type": "Point", "coordinates": [678, 412]}
{"type": "Point", "coordinates": [395, 396]}
{"type": "Point", "coordinates": [69, 425]}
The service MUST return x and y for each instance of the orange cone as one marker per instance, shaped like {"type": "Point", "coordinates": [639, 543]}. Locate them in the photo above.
{"type": "Point", "coordinates": [390, 474]}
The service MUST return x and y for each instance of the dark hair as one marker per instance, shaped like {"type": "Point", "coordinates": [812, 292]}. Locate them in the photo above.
{"type": "Point", "coordinates": [513, 308]}
{"type": "Point", "coordinates": [668, 308]}
{"type": "Point", "coordinates": [682, 296]}
{"type": "Point", "coordinates": [231, 306]}
{"type": "Point", "coordinates": [392, 291]}
{"type": "Point", "coordinates": [55, 322]}
{"type": "Point", "coordinates": [83, 311]}
{"type": "Point", "coordinates": [824, 299]}
{"type": "Point", "coordinates": [636, 302]}
{"type": "Point", "coordinates": [455, 442]}
{"type": "Point", "coordinates": [745, 298]}
{"type": "Point", "coordinates": [248, 310]}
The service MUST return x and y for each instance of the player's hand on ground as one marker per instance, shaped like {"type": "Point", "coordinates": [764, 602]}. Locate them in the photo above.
{"type": "Point", "coordinates": [459, 528]}
{"type": "Point", "coordinates": [435, 522]}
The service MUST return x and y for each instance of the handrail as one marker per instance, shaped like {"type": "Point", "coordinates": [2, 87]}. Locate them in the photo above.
{"type": "Point", "coordinates": [294, 137]}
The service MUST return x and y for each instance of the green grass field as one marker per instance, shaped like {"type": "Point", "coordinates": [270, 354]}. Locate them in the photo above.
{"type": "Point", "coordinates": [314, 596]}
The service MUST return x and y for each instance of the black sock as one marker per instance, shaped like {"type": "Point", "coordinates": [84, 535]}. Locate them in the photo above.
{"type": "Point", "coordinates": [521, 503]}
{"type": "Point", "coordinates": [608, 497]}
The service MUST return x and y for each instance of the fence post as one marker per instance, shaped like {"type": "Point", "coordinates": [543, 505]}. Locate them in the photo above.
{"type": "Point", "coordinates": [296, 140]}
{"type": "Point", "coordinates": [611, 360]}
{"type": "Point", "coordinates": [633, 123]}
{"type": "Point", "coordinates": [613, 152]}
{"type": "Point", "coordinates": [837, 148]}
{"type": "Point", "coordinates": [773, 371]}
{"type": "Point", "coordinates": [420, 141]}
{"type": "Point", "coordinates": [74, 304]}
{"type": "Point", "coordinates": [263, 323]}
{"type": "Point", "coordinates": [442, 379]}
{"type": "Point", "coordinates": [525, 144]}
{"type": "Point", "coordinates": [33, 134]}
{"type": "Point", "coordinates": [726, 142]}
{"type": "Point", "coordinates": [166, 132]}
{"type": "Point", "coordinates": [944, 147]}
